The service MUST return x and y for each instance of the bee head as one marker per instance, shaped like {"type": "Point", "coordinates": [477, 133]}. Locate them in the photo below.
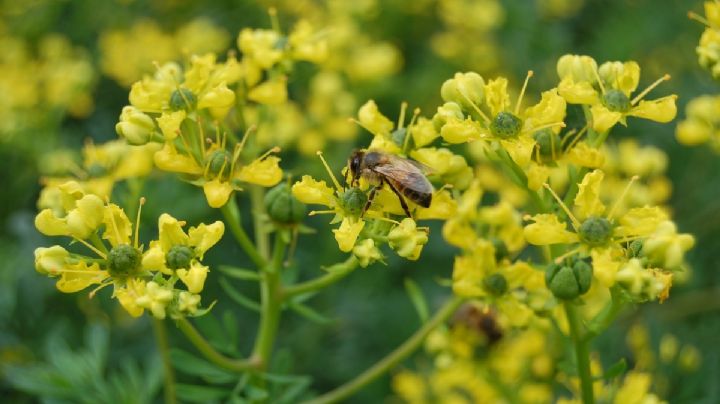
{"type": "Point", "coordinates": [354, 163]}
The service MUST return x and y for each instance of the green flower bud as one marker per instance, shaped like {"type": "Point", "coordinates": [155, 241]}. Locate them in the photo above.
{"type": "Point", "coordinates": [569, 280]}
{"type": "Point", "coordinates": [282, 206]}
{"type": "Point", "coordinates": [464, 89]}
{"type": "Point", "coordinates": [616, 101]}
{"type": "Point", "coordinates": [445, 112]}
{"type": "Point", "coordinates": [217, 159]}
{"type": "Point", "coordinates": [506, 125]}
{"type": "Point", "coordinates": [353, 201]}
{"type": "Point", "coordinates": [501, 250]}
{"type": "Point", "coordinates": [634, 249]}
{"type": "Point", "coordinates": [179, 256]}
{"type": "Point", "coordinates": [124, 260]}
{"type": "Point", "coordinates": [495, 284]}
{"type": "Point", "coordinates": [595, 231]}
{"type": "Point", "coordinates": [548, 145]}
{"type": "Point", "coordinates": [182, 98]}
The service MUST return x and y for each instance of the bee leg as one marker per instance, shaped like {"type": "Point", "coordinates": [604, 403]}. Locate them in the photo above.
{"type": "Point", "coordinates": [402, 200]}
{"type": "Point", "coordinates": [370, 199]}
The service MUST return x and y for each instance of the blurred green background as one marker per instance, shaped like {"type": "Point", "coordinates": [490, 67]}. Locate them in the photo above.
{"type": "Point", "coordinates": [60, 347]}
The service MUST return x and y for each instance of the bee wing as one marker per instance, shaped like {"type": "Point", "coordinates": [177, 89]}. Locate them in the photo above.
{"type": "Point", "coordinates": [406, 173]}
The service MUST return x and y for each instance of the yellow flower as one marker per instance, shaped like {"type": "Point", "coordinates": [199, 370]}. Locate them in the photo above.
{"type": "Point", "coordinates": [305, 44]}
{"type": "Point", "coordinates": [311, 191]}
{"type": "Point", "coordinates": [407, 240]}
{"type": "Point", "coordinates": [423, 132]}
{"type": "Point", "coordinates": [373, 120]}
{"type": "Point", "coordinates": [347, 233]}
{"type": "Point", "coordinates": [616, 82]}
{"type": "Point", "coordinates": [188, 302]}
{"type": "Point", "coordinates": [366, 252]}
{"type": "Point", "coordinates": [702, 122]}
{"type": "Point", "coordinates": [265, 172]}
{"type": "Point", "coordinates": [135, 126]}
{"type": "Point", "coordinates": [176, 249]}
{"type": "Point", "coordinates": [635, 389]}
{"type": "Point", "coordinates": [273, 92]}
{"type": "Point", "coordinates": [260, 45]}
{"type": "Point", "coordinates": [128, 295]}
{"type": "Point", "coordinates": [194, 278]}
{"type": "Point", "coordinates": [78, 216]}
{"type": "Point", "coordinates": [155, 299]}
{"type": "Point", "coordinates": [666, 248]}
{"type": "Point", "coordinates": [470, 270]}
{"type": "Point", "coordinates": [548, 229]}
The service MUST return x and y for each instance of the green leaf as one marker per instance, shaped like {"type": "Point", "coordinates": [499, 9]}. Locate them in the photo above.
{"type": "Point", "coordinates": [418, 300]}
{"type": "Point", "coordinates": [309, 313]}
{"type": "Point", "coordinates": [240, 273]}
{"type": "Point", "coordinates": [238, 297]}
{"type": "Point", "coordinates": [615, 370]}
{"type": "Point", "coordinates": [200, 394]}
{"type": "Point", "coordinates": [192, 365]}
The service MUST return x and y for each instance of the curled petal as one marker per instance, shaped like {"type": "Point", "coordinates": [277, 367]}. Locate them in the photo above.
{"type": "Point", "coordinates": [587, 200]}
{"type": "Point", "coordinates": [204, 236]}
{"type": "Point", "coordinates": [171, 232]}
{"type": "Point", "coordinates": [348, 233]}
{"type": "Point", "coordinates": [265, 172]}
{"type": "Point", "coordinates": [660, 110]}
{"type": "Point", "coordinates": [310, 191]}
{"type": "Point", "coordinates": [603, 118]}
{"type": "Point", "coordinates": [217, 192]}
{"type": "Point", "coordinates": [548, 229]}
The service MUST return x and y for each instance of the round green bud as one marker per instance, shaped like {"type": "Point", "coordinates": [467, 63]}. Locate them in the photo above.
{"type": "Point", "coordinates": [495, 284]}
{"type": "Point", "coordinates": [616, 101]}
{"type": "Point", "coordinates": [179, 256]}
{"type": "Point", "coordinates": [501, 250]}
{"type": "Point", "coordinates": [548, 145]}
{"type": "Point", "coordinates": [123, 260]}
{"type": "Point", "coordinates": [634, 248]}
{"type": "Point", "coordinates": [583, 273]}
{"type": "Point", "coordinates": [353, 201]}
{"type": "Point", "coordinates": [282, 206]}
{"type": "Point", "coordinates": [182, 99]}
{"type": "Point", "coordinates": [217, 160]}
{"type": "Point", "coordinates": [398, 136]}
{"type": "Point", "coordinates": [595, 231]}
{"type": "Point", "coordinates": [506, 125]}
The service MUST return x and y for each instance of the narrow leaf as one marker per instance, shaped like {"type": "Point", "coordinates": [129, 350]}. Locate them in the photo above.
{"type": "Point", "coordinates": [199, 394]}
{"type": "Point", "coordinates": [239, 273]}
{"type": "Point", "coordinates": [418, 300]}
{"type": "Point", "coordinates": [309, 313]}
{"type": "Point", "coordinates": [238, 297]}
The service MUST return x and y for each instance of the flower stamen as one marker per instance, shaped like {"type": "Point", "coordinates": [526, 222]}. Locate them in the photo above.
{"type": "Point", "coordinates": [137, 222]}
{"type": "Point", "coordinates": [327, 167]}
{"type": "Point", "coordinates": [573, 219]}
{"type": "Point", "coordinates": [599, 80]}
{"type": "Point", "coordinates": [91, 247]}
{"type": "Point", "coordinates": [522, 92]}
{"type": "Point", "coordinates": [401, 118]}
{"type": "Point", "coordinates": [649, 88]}
{"type": "Point", "coordinates": [622, 196]}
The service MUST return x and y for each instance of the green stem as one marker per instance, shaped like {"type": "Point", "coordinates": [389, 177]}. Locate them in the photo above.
{"type": "Point", "coordinates": [334, 274]}
{"type": "Point", "coordinates": [202, 345]}
{"type": "Point", "coordinates": [232, 218]}
{"type": "Point", "coordinates": [520, 179]}
{"type": "Point", "coordinates": [163, 346]}
{"type": "Point", "coordinates": [608, 314]}
{"type": "Point", "coordinates": [582, 353]}
{"type": "Point", "coordinates": [97, 243]}
{"type": "Point", "coordinates": [257, 196]}
{"type": "Point", "coordinates": [270, 304]}
{"type": "Point", "coordinates": [392, 359]}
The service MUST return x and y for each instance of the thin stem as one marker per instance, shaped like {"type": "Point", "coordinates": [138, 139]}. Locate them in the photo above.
{"type": "Point", "coordinates": [606, 316]}
{"type": "Point", "coordinates": [392, 359]}
{"type": "Point", "coordinates": [163, 346]}
{"type": "Point", "coordinates": [232, 218]}
{"type": "Point", "coordinates": [334, 274]}
{"type": "Point", "coordinates": [257, 195]}
{"type": "Point", "coordinates": [270, 304]}
{"type": "Point", "coordinates": [202, 345]}
{"type": "Point", "coordinates": [582, 353]}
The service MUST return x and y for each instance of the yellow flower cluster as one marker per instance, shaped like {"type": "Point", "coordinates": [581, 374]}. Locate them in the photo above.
{"type": "Point", "coordinates": [128, 54]}
{"type": "Point", "coordinates": [196, 109]}
{"type": "Point", "coordinates": [708, 50]}
{"type": "Point", "coordinates": [38, 87]}
{"type": "Point", "coordinates": [470, 363]}
{"type": "Point", "coordinates": [141, 279]}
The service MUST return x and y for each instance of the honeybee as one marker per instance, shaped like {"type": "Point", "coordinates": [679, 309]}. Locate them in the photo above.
{"type": "Point", "coordinates": [404, 177]}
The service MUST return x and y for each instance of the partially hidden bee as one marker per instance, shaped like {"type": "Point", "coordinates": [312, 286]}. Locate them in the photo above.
{"type": "Point", "coordinates": [404, 177]}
